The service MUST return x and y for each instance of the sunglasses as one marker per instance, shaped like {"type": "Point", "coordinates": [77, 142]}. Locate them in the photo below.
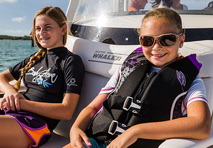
{"type": "Point", "coordinates": [164, 40]}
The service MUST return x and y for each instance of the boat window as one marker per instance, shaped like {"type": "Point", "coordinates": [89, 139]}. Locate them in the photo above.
{"type": "Point", "coordinates": [97, 7]}
{"type": "Point", "coordinates": [117, 21]}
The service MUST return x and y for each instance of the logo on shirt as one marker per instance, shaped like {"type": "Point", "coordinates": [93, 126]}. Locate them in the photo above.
{"type": "Point", "coordinates": [41, 76]}
{"type": "Point", "coordinates": [72, 82]}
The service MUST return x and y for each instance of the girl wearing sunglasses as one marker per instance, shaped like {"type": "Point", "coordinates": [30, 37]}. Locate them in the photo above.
{"type": "Point", "coordinates": [155, 95]}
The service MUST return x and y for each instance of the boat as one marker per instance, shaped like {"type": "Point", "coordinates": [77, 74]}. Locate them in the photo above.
{"type": "Point", "coordinates": [104, 33]}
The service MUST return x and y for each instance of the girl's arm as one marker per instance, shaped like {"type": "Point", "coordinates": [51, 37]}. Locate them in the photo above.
{"type": "Point", "coordinates": [13, 100]}
{"type": "Point", "coordinates": [77, 135]}
{"type": "Point", "coordinates": [196, 125]}
{"type": "Point", "coordinates": [11, 96]}
{"type": "Point", "coordinates": [5, 78]}
{"type": "Point", "coordinates": [60, 111]}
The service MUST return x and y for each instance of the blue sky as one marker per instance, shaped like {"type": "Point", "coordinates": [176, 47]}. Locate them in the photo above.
{"type": "Point", "coordinates": [16, 16]}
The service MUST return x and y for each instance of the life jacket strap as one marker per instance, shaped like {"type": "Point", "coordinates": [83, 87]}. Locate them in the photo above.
{"type": "Point", "coordinates": [116, 128]}
{"type": "Point", "coordinates": [132, 105]}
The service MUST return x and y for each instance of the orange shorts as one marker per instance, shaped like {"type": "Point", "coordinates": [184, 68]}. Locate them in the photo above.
{"type": "Point", "coordinates": [33, 125]}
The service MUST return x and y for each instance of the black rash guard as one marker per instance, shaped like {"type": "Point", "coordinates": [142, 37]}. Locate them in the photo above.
{"type": "Point", "coordinates": [59, 72]}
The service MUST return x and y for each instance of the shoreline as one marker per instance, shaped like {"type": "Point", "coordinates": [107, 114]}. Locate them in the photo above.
{"type": "Point", "coordinates": [8, 37]}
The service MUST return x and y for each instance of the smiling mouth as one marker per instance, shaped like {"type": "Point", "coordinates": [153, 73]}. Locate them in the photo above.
{"type": "Point", "coordinates": [44, 39]}
{"type": "Point", "coordinates": [158, 55]}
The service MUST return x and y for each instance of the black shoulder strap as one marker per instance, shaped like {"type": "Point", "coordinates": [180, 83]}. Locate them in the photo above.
{"type": "Point", "coordinates": [134, 79]}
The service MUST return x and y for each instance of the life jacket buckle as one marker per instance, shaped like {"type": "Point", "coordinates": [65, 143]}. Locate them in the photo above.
{"type": "Point", "coordinates": [132, 105]}
{"type": "Point", "coordinates": [116, 128]}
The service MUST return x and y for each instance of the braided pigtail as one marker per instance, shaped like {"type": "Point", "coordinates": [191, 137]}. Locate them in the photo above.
{"type": "Point", "coordinates": [33, 60]}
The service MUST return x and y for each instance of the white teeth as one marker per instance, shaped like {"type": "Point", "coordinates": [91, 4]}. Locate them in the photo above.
{"type": "Point", "coordinates": [44, 38]}
{"type": "Point", "coordinates": [158, 55]}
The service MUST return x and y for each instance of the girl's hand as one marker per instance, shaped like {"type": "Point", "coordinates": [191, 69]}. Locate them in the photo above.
{"type": "Point", "coordinates": [11, 100]}
{"type": "Point", "coordinates": [77, 137]}
{"type": "Point", "coordinates": [124, 140]}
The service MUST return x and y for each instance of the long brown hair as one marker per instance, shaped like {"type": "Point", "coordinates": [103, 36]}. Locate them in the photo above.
{"type": "Point", "coordinates": [58, 16]}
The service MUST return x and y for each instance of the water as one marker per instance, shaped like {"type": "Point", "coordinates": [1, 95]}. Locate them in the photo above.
{"type": "Point", "coordinates": [14, 51]}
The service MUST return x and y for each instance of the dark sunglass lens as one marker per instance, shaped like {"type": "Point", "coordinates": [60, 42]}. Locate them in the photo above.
{"type": "Point", "coordinates": [147, 41]}
{"type": "Point", "coordinates": [167, 40]}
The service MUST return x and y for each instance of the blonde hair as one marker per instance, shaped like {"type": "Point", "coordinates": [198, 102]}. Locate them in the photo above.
{"type": "Point", "coordinates": [58, 16]}
{"type": "Point", "coordinates": [168, 14]}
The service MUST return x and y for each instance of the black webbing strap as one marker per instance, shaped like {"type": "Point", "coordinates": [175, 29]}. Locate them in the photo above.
{"type": "Point", "coordinates": [133, 80]}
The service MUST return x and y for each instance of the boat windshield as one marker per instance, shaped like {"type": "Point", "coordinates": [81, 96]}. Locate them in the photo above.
{"type": "Point", "coordinates": [117, 21]}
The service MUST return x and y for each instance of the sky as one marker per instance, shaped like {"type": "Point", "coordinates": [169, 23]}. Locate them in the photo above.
{"type": "Point", "coordinates": [16, 16]}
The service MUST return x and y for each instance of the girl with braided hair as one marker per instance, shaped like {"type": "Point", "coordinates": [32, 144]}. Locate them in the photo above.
{"type": "Point", "coordinates": [53, 79]}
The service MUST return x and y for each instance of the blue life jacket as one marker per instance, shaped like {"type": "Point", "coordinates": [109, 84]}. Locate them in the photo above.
{"type": "Point", "coordinates": [141, 97]}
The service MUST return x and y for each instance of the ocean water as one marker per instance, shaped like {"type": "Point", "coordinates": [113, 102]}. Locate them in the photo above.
{"type": "Point", "coordinates": [14, 51]}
